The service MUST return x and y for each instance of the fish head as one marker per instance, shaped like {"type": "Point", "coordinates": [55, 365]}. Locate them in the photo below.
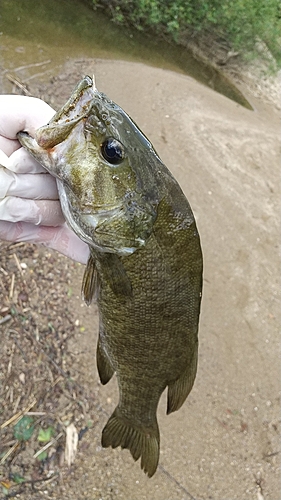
{"type": "Point", "coordinates": [104, 166]}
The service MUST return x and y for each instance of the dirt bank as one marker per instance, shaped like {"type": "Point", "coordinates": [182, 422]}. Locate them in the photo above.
{"type": "Point", "coordinates": [224, 443]}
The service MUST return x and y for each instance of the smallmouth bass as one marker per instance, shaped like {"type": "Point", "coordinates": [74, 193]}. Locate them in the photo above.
{"type": "Point", "coordinates": [145, 264]}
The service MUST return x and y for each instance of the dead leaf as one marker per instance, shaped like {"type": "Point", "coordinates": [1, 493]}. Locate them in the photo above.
{"type": "Point", "coordinates": [71, 444]}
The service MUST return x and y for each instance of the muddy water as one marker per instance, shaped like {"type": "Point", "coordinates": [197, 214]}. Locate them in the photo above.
{"type": "Point", "coordinates": [37, 37]}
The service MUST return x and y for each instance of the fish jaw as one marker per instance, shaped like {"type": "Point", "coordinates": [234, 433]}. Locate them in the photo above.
{"type": "Point", "coordinates": [39, 153]}
{"type": "Point", "coordinates": [63, 122]}
{"type": "Point", "coordinates": [50, 141]}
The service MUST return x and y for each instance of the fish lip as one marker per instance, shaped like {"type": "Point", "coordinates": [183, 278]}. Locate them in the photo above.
{"type": "Point", "coordinates": [79, 104]}
{"type": "Point", "coordinates": [74, 111]}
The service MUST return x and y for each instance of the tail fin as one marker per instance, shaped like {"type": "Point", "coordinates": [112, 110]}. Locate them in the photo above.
{"type": "Point", "coordinates": [142, 442]}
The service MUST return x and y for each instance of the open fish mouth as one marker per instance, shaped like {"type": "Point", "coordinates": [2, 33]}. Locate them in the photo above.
{"type": "Point", "coordinates": [75, 109]}
{"type": "Point", "coordinates": [62, 123]}
{"type": "Point", "coordinates": [79, 103]}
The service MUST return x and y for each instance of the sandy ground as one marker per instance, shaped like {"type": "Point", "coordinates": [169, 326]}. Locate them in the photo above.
{"type": "Point", "coordinates": [224, 443]}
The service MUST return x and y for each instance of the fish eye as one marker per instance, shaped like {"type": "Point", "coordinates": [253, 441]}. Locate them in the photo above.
{"type": "Point", "coordinates": [112, 151]}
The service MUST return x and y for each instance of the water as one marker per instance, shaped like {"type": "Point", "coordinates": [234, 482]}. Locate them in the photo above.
{"type": "Point", "coordinates": [37, 36]}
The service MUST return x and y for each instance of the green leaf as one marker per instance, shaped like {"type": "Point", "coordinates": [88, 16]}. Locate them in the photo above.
{"type": "Point", "coordinates": [42, 456]}
{"type": "Point", "coordinates": [17, 478]}
{"type": "Point", "coordinates": [24, 429]}
{"type": "Point", "coordinates": [45, 435]}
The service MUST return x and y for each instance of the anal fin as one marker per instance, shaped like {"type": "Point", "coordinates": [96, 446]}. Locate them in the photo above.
{"type": "Point", "coordinates": [104, 367]}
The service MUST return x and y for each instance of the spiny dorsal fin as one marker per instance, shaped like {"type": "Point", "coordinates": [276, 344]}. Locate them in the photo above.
{"type": "Point", "coordinates": [142, 442]}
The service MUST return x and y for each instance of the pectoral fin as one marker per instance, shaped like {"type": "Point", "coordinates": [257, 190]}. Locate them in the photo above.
{"type": "Point", "coordinates": [90, 281]}
{"type": "Point", "coordinates": [115, 274]}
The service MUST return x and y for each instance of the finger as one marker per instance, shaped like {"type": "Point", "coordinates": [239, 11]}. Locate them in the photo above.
{"type": "Point", "coordinates": [8, 145]}
{"type": "Point", "coordinates": [64, 241]}
{"type": "Point", "coordinates": [41, 212]}
{"type": "Point", "coordinates": [3, 158]}
{"type": "Point", "coordinates": [29, 186]}
{"type": "Point", "coordinates": [22, 113]}
{"type": "Point", "coordinates": [60, 238]}
{"type": "Point", "coordinates": [22, 162]}
{"type": "Point", "coordinates": [34, 187]}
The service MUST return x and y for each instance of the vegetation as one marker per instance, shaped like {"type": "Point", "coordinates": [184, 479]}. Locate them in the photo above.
{"type": "Point", "coordinates": [241, 22]}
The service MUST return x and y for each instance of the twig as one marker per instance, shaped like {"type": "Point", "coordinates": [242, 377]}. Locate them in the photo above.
{"type": "Point", "coordinates": [271, 454]}
{"type": "Point", "coordinates": [18, 84]}
{"type": "Point", "coordinates": [170, 476]}
{"type": "Point", "coordinates": [36, 76]}
{"type": "Point", "coordinates": [33, 65]}
{"type": "Point", "coordinates": [11, 292]}
{"type": "Point", "coordinates": [48, 445]}
{"type": "Point", "coordinates": [46, 480]}
{"type": "Point", "coordinates": [3, 271]}
{"type": "Point", "coordinates": [9, 369]}
{"type": "Point", "coordinates": [17, 245]}
{"type": "Point", "coordinates": [17, 403]}
{"type": "Point", "coordinates": [9, 452]}
{"type": "Point", "coordinates": [18, 415]}
{"type": "Point", "coordinates": [36, 413]}
{"type": "Point", "coordinates": [5, 319]}
{"type": "Point", "coordinates": [18, 264]}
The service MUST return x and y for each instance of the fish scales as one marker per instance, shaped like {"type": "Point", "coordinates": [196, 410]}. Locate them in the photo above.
{"type": "Point", "coordinates": [145, 264]}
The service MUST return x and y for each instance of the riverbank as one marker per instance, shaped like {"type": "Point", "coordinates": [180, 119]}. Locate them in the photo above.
{"type": "Point", "coordinates": [258, 77]}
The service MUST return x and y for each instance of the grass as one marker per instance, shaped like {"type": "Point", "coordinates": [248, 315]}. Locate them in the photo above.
{"type": "Point", "coordinates": [242, 23]}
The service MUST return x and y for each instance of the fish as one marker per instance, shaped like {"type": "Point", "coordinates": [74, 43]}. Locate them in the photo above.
{"type": "Point", "coordinates": [145, 261]}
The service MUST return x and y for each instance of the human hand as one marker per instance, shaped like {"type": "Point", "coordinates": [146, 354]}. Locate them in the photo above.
{"type": "Point", "coordinates": [29, 205]}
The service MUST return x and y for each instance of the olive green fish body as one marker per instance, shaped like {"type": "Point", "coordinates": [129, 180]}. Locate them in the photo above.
{"type": "Point", "coordinates": [145, 264]}
{"type": "Point", "coordinates": [149, 338]}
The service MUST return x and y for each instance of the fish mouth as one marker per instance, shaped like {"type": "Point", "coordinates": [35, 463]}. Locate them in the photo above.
{"type": "Point", "coordinates": [75, 109]}
{"type": "Point", "coordinates": [79, 103]}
